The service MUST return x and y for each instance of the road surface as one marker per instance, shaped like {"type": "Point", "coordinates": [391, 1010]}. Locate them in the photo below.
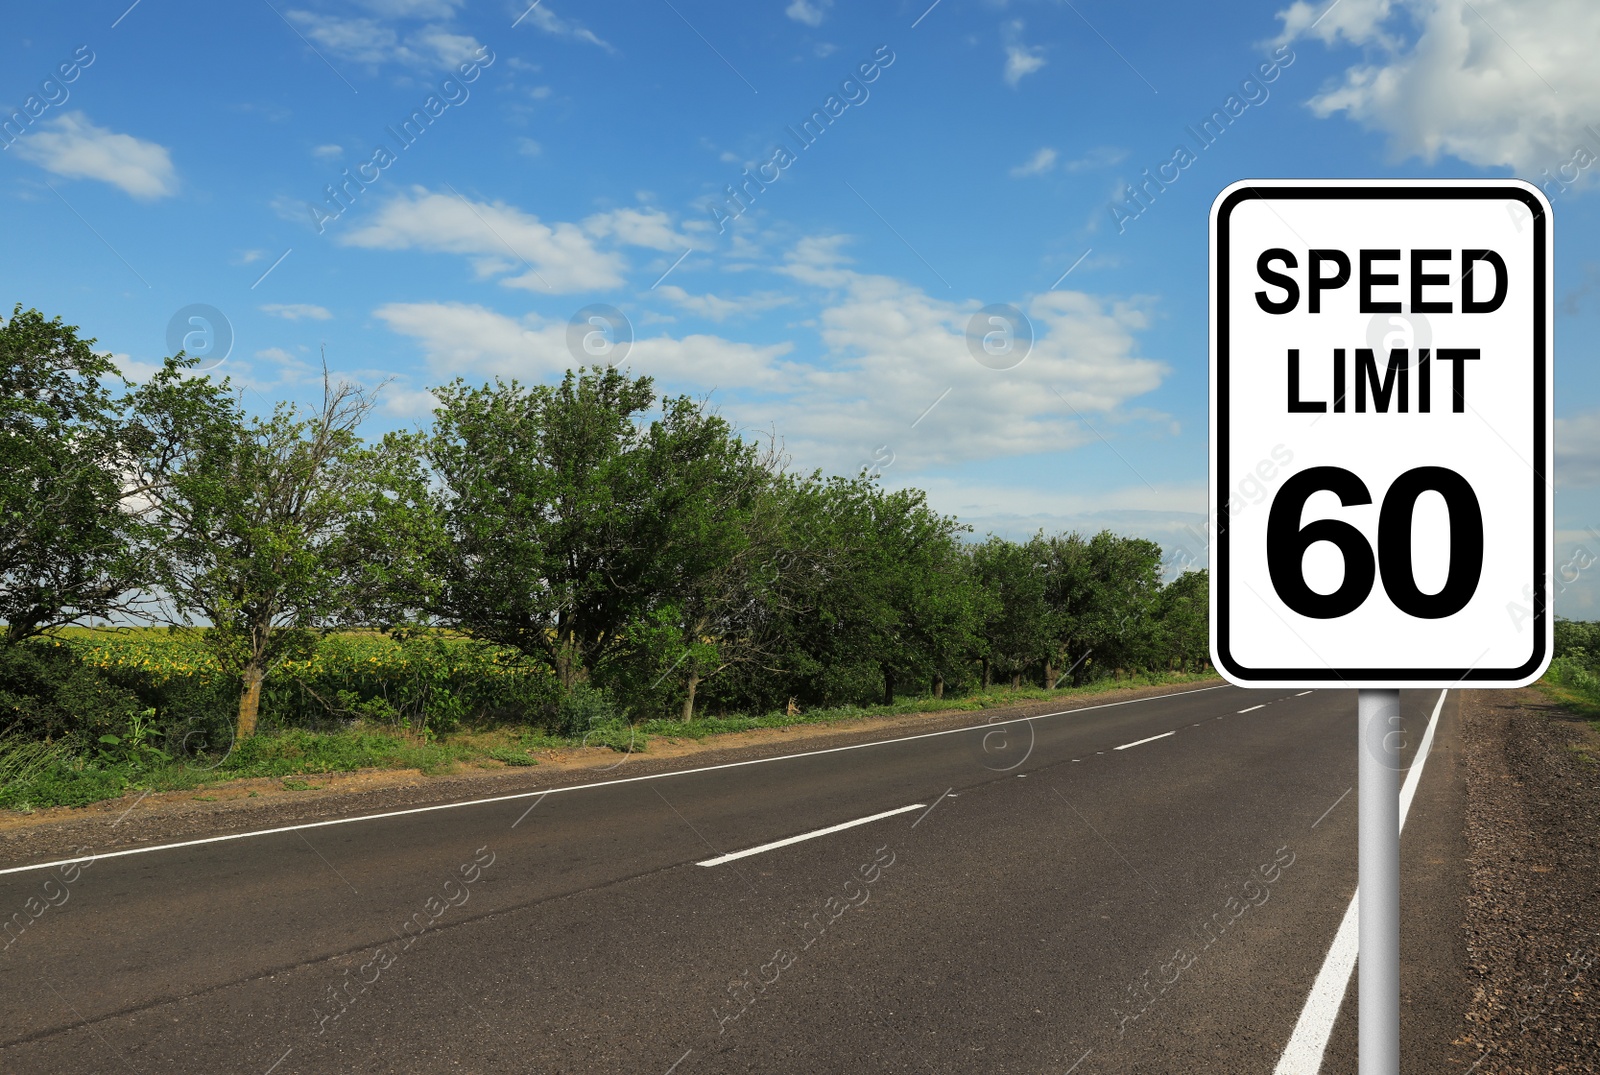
{"type": "Point", "coordinates": [1150, 886]}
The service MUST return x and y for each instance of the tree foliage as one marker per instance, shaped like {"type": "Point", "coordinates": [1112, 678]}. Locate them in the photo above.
{"type": "Point", "coordinates": [641, 554]}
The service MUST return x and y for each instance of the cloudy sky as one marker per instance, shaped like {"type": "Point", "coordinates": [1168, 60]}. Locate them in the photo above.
{"type": "Point", "coordinates": [898, 237]}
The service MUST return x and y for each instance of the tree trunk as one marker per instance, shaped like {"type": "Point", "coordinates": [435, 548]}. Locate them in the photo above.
{"type": "Point", "coordinates": [938, 686]}
{"type": "Point", "coordinates": [250, 700]}
{"type": "Point", "coordinates": [1049, 674]}
{"type": "Point", "coordinates": [688, 699]}
{"type": "Point", "coordinates": [986, 674]}
{"type": "Point", "coordinates": [1016, 680]}
{"type": "Point", "coordinates": [888, 687]}
{"type": "Point", "coordinates": [566, 667]}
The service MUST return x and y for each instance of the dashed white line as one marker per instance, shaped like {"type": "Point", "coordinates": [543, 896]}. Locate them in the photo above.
{"type": "Point", "coordinates": [1141, 742]}
{"type": "Point", "coordinates": [747, 852]}
{"type": "Point", "coordinates": [1253, 708]}
{"type": "Point", "coordinates": [1302, 694]}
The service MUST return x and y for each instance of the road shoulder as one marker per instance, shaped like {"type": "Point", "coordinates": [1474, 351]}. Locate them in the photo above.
{"type": "Point", "coordinates": [1533, 911]}
{"type": "Point", "coordinates": [139, 819]}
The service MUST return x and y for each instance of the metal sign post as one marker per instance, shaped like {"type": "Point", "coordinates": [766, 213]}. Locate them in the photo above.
{"type": "Point", "coordinates": [1378, 879]}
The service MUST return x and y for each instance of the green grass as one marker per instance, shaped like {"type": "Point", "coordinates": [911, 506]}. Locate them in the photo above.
{"type": "Point", "coordinates": [34, 775]}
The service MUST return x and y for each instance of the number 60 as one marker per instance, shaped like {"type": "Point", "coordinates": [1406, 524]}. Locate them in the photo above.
{"type": "Point", "coordinates": [1287, 542]}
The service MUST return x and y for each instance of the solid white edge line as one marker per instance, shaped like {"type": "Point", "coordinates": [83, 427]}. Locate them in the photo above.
{"type": "Point", "coordinates": [579, 787]}
{"type": "Point", "coordinates": [774, 845]}
{"type": "Point", "coordinates": [1303, 1054]}
{"type": "Point", "coordinates": [1253, 708]}
{"type": "Point", "coordinates": [1141, 742]}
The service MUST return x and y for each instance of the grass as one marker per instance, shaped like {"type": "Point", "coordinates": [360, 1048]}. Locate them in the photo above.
{"type": "Point", "coordinates": [35, 775]}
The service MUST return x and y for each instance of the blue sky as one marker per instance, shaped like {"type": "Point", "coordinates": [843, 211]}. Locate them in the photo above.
{"type": "Point", "coordinates": [570, 156]}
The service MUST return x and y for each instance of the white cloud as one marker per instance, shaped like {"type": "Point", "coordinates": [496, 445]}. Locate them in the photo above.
{"type": "Point", "coordinates": [528, 147]}
{"type": "Point", "coordinates": [1021, 60]}
{"type": "Point", "coordinates": [294, 311]}
{"type": "Point", "coordinates": [412, 9]}
{"type": "Point", "coordinates": [499, 238]}
{"type": "Point", "coordinates": [551, 23]}
{"type": "Point", "coordinates": [716, 308]}
{"type": "Point", "coordinates": [131, 368]}
{"type": "Point", "coordinates": [1358, 22]}
{"type": "Point", "coordinates": [1496, 83]}
{"type": "Point", "coordinates": [1040, 163]}
{"type": "Point", "coordinates": [369, 41]}
{"type": "Point", "coordinates": [73, 147]}
{"type": "Point", "coordinates": [1577, 450]}
{"type": "Point", "coordinates": [249, 256]}
{"type": "Point", "coordinates": [1098, 157]}
{"type": "Point", "coordinates": [327, 152]}
{"type": "Point", "coordinates": [808, 12]}
{"type": "Point", "coordinates": [280, 356]}
{"type": "Point", "coordinates": [636, 227]}
{"type": "Point", "coordinates": [893, 351]}
{"type": "Point", "coordinates": [458, 337]}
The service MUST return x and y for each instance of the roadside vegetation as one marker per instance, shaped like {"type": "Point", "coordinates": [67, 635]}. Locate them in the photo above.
{"type": "Point", "coordinates": [581, 563]}
{"type": "Point", "coordinates": [1573, 678]}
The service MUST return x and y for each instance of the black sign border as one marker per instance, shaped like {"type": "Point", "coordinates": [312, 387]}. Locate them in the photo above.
{"type": "Point", "coordinates": [1219, 315]}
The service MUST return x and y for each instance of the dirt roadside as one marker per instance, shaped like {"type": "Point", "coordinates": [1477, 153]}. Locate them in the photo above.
{"type": "Point", "coordinates": [141, 819]}
{"type": "Point", "coordinates": [1533, 910]}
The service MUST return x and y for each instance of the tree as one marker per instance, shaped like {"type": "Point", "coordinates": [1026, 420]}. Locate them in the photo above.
{"type": "Point", "coordinates": [560, 523]}
{"type": "Point", "coordinates": [1016, 629]}
{"type": "Point", "coordinates": [69, 519]}
{"type": "Point", "coordinates": [255, 517]}
{"type": "Point", "coordinates": [884, 596]}
{"type": "Point", "coordinates": [1183, 621]}
{"type": "Point", "coordinates": [1102, 591]}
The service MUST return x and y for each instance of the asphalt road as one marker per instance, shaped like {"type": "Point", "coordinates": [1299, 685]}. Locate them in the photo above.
{"type": "Point", "coordinates": [1053, 901]}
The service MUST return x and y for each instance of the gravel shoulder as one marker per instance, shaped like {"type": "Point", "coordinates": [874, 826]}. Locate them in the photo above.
{"type": "Point", "coordinates": [243, 805]}
{"type": "Point", "coordinates": [1533, 912]}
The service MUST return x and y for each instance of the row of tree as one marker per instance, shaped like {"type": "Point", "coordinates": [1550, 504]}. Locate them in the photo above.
{"type": "Point", "coordinates": [622, 539]}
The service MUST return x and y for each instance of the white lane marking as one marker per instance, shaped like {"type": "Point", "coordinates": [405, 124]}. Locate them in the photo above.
{"type": "Point", "coordinates": [1253, 708]}
{"type": "Point", "coordinates": [583, 787]}
{"type": "Point", "coordinates": [1141, 742]}
{"type": "Point", "coordinates": [1303, 1054]}
{"type": "Point", "coordinates": [774, 845]}
{"type": "Point", "coordinates": [1302, 694]}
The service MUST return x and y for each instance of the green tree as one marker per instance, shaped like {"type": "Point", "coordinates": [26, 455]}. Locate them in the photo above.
{"type": "Point", "coordinates": [1017, 628]}
{"type": "Point", "coordinates": [69, 519]}
{"type": "Point", "coordinates": [254, 515]}
{"type": "Point", "coordinates": [882, 597]}
{"type": "Point", "coordinates": [1182, 618]}
{"type": "Point", "coordinates": [558, 521]}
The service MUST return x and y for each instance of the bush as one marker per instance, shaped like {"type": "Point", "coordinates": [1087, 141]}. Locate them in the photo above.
{"type": "Point", "coordinates": [581, 711]}
{"type": "Point", "coordinates": [48, 692]}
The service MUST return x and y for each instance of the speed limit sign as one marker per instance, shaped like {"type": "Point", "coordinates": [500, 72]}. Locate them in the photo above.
{"type": "Point", "coordinates": [1380, 433]}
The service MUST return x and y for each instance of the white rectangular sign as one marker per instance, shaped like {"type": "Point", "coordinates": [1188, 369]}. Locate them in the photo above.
{"type": "Point", "coordinates": [1380, 433]}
